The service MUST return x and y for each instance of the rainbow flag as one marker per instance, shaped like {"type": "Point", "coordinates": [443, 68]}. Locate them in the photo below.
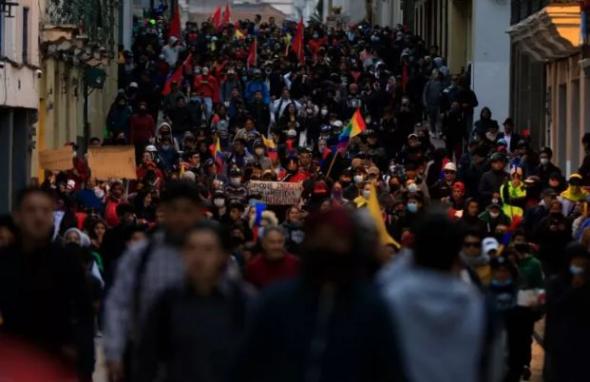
{"type": "Point", "coordinates": [217, 155]}
{"type": "Point", "coordinates": [355, 127]}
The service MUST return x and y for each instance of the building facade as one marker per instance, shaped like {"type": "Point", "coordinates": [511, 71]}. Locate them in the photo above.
{"type": "Point", "coordinates": [551, 77]}
{"type": "Point", "coordinates": [471, 35]}
{"type": "Point", "coordinates": [78, 47]}
{"type": "Point", "coordinates": [19, 85]}
{"type": "Point", "coordinates": [388, 12]}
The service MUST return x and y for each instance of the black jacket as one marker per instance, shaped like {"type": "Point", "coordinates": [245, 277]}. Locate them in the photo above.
{"type": "Point", "coordinates": [490, 182]}
{"type": "Point", "coordinates": [567, 332]}
{"type": "Point", "coordinates": [293, 336]}
{"type": "Point", "coordinates": [188, 337]}
{"type": "Point", "coordinates": [44, 297]}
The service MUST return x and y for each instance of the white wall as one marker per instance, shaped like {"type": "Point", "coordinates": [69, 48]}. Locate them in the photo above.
{"type": "Point", "coordinates": [353, 10]}
{"type": "Point", "coordinates": [388, 12]}
{"type": "Point", "coordinates": [491, 56]}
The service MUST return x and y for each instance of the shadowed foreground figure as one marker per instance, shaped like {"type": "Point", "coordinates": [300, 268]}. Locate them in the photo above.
{"type": "Point", "coordinates": [446, 329]}
{"type": "Point", "coordinates": [329, 324]}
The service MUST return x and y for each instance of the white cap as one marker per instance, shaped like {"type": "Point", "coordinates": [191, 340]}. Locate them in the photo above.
{"type": "Point", "coordinates": [450, 166]}
{"type": "Point", "coordinates": [489, 244]}
{"type": "Point", "coordinates": [133, 85]}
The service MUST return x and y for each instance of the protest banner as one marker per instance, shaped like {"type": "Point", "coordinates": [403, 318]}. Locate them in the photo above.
{"type": "Point", "coordinates": [57, 160]}
{"type": "Point", "coordinates": [276, 193]}
{"type": "Point", "coordinates": [112, 162]}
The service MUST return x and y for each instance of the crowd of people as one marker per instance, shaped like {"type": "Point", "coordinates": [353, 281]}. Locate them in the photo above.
{"type": "Point", "coordinates": [188, 275]}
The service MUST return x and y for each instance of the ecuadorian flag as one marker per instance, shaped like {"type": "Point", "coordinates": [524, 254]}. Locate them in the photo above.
{"type": "Point", "coordinates": [217, 155]}
{"type": "Point", "coordinates": [271, 147]}
{"type": "Point", "coordinates": [355, 127]}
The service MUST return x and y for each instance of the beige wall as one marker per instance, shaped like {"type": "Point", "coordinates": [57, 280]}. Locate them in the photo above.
{"type": "Point", "coordinates": [20, 83]}
{"type": "Point", "coordinates": [568, 90]}
{"type": "Point", "coordinates": [459, 42]}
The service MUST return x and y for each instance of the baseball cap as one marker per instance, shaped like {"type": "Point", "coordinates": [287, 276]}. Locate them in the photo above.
{"type": "Point", "coordinates": [489, 244]}
{"type": "Point", "coordinates": [450, 166]}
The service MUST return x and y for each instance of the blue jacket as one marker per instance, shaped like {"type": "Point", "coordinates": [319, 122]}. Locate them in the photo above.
{"type": "Point", "coordinates": [253, 87]}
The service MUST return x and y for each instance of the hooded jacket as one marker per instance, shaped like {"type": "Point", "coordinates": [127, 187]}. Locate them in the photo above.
{"type": "Point", "coordinates": [440, 313]}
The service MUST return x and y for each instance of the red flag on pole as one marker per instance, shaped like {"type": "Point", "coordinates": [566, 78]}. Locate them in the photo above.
{"type": "Point", "coordinates": [175, 29]}
{"type": "Point", "coordinates": [177, 76]}
{"type": "Point", "coordinates": [297, 43]}
{"type": "Point", "coordinates": [216, 18]}
{"type": "Point", "coordinates": [227, 15]}
{"type": "Point", "coordinates": [252, 54]}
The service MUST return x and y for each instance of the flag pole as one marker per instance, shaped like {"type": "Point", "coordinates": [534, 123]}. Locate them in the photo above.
{"type": "Point", "coordinates": [333, 161]}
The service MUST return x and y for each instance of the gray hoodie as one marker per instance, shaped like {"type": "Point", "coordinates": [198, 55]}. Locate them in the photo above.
{"type": "Point", "coordinates": [441, 321]}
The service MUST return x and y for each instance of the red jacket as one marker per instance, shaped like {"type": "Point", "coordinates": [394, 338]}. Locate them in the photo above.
{"type": "Point", "coordinates": [207, 86]}
{"type": "Point", "coordinates": [143, 169]}
{"type": "Point", "coordinates": [141, 128]}
{"type": "Point", "coordinates": [262, 272]}
{"type": "Point", "coordinates": [110, 212]}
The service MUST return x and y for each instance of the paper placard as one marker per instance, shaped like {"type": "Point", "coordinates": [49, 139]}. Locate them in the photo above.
{"type": "Point", "coordinates": [112, 162]}
{"type": "Point", "coordinates": [57, 160]}
{"type": "Point", "coordinates": [276, 193]}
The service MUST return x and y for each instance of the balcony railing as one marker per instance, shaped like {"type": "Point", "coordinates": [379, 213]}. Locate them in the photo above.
{"type": "Point", "coordinates": [95, 18]}
{"type": "Point", "coordinates": [521, 9]}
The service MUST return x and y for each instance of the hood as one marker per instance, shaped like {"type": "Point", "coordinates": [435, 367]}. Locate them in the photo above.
{"type": "Point", "coordinates": [434, 301]}
{"type": "Point", "coordinates": [439, 312]}
{"type": "Point", "coordinates": [162, 125]}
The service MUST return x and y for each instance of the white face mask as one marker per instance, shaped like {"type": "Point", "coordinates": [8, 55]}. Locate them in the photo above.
{"type": "Point", "coordinates": [544, 161]}
{"type": "Point", "coordinates": [366, 194]}
{"type": "Point", "coordinates": [491, 136]}
{"type": "Point", "coordinates": [494, 215]}
{"type": "Point", "coordinates": [357, 179]}
{"type": "Point", "coordinates": [235, 181]}
{"type": "Point", "coordinates": [324, 112]}
{"type": "Point", "coordinates": [99, 192]}
{"type": "Point", "coordinates": [219, 202]}
{"type": "Point", "coordinates": [259, 151]}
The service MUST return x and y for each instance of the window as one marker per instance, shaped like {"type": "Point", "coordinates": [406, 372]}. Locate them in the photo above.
{"type": "Point", "coordinates": [25, 35]}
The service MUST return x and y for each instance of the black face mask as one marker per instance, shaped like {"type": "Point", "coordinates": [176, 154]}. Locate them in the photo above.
{"type": "Point", "coordinates": [522, 247]}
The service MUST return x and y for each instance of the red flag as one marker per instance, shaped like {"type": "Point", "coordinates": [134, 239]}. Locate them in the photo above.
{"type": "Point", "coordinates": [297, 43]}
{"type": "Point", "coordinates": [175, 29]}
{"type": "Point", "coordinates": [216, 18]}
{"type": "Point", "coordinates": [227, 15]}
{"type": "Point", "coordinates": [405, 77]}
{"type": "Point", "coordinates": [177, 76]}
{"type": "Point", "coordinates": [252, 55]}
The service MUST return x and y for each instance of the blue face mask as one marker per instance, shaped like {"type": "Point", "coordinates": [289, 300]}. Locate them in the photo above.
{"type": "Point", "coordinates": [412, 207]}
{"type": "Point", "coordinates": [576, 271]}
{"type": "Point", "coordinates": [501, 283]}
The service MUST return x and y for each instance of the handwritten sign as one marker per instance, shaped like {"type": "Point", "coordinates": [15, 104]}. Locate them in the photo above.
{"type": "Point", "coordinates": [56, 160]}
{"type": "Point", "coordinates": [112, 162]}
{"type": "Point", "coordinates": [276, 193]}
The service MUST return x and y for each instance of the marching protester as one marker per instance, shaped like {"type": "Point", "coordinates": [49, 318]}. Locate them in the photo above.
{"type": "Point", "coordinates": [278, 168]}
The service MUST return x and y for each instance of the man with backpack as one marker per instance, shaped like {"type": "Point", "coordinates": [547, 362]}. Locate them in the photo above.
{"type": "Point", "coordinates": [143, 273]}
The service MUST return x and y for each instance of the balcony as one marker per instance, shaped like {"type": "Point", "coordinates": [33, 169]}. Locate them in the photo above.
{"type": "Point", "coordinates": [521, 9]}
{"type": "Point", "coordinates": [550, 33]}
